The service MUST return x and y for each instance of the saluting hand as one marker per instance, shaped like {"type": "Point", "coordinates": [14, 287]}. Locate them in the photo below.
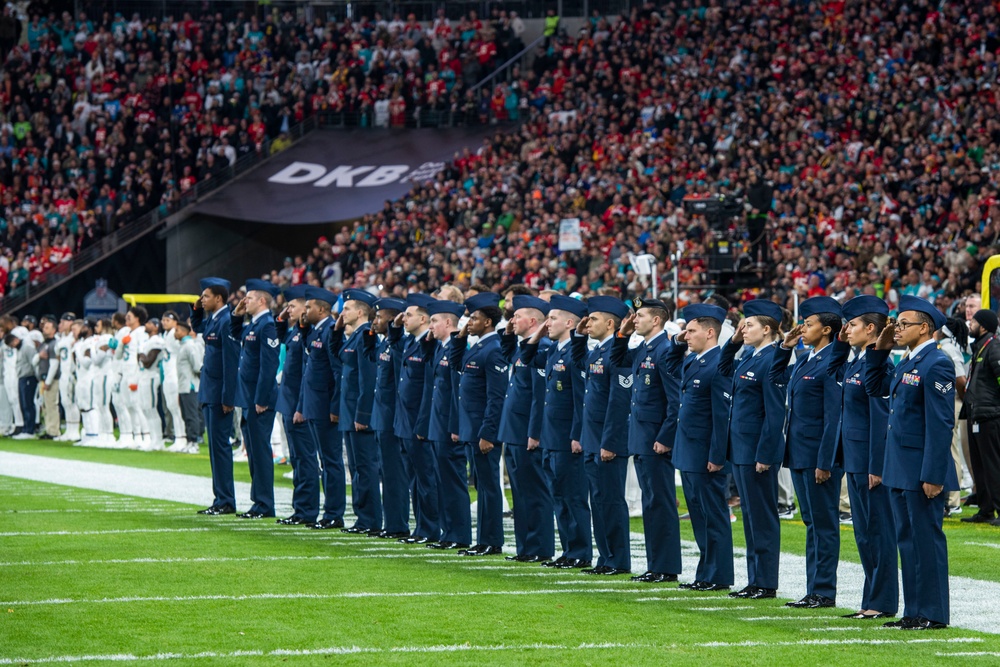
{"type": "Point", "coordinates": [842, 336]}
{"type": "Point", "coordinates": [283, 313]}
{"type": "Point", "coordinates": [681, 338]}
{"type": "Point", "coordinates": [581, 328]}
{"type": "Point", "coordinates": [792, 337]}
{"type": "Point", "coordinates": [398, 321]}
{"type": "Point", "coordinates": [241, 307]}
{"type": "Point", "coordinates": [738, 334]}
{"type": "Point", "coordinates": [464, 331]}
{"type": "Point", "coordinates": [339, 325]}
{"type": "Point", "coordinates": [887, 339]}
{"type": "Point", "coordinates": [628, 326]}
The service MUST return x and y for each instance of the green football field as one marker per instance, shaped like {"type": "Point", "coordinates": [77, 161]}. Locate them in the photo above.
{"type": "Point", "coordinates": [99, 578]}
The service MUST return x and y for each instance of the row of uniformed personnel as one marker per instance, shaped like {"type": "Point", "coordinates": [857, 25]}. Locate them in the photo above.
{"type": "Point", "coordinates": [397, 384]}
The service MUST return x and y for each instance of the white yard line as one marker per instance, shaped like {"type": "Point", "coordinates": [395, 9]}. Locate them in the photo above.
{"type": "Point", "coordinates": [298, 596]}
{"type": "Point", "coordinates": [969, 597]}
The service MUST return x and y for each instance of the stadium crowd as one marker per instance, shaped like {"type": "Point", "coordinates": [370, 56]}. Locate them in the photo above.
{"type": "Point", "coordinates": [105, 118]}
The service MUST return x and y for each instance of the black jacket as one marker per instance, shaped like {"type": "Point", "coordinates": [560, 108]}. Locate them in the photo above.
{"type": "Point", "coordinates": [982, 392]}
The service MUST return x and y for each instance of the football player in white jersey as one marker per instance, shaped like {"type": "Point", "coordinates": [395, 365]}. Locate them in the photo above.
{"type": "Point", "coordinates": [65, 341]}
{"type": "Point", "coordinates": [104, 376]}
{"type": "Point", "coordinates": [149, 357]}
{"type": "Point", "coordinates": [169, 389]}
{"type": "Point", "coordinates": [128, 353]}
{"type": "Point", "coordinates": [83, 395]}
{"type": "Point", "coordinates": [15, 422]}
{"type": "Point", "coordinates": [119, 391]}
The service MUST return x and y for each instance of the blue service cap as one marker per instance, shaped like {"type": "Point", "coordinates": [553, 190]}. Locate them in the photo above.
{"type": "Point", "coordinates": [607, 304]}
{"type": "Point", "coordinates": [443, 306]}
{"type": "Point", "coordinates": [640, 302]}
{"type": "Point", "coordinates": [762, 307]}
{"type": "Point", "coordinates": [296, 292]}
{"type": "Point", "coordinates": [320, 294]}
{"type": "Point", "coordinates": [696, 310]}
{"type": "Point", "coordinates": [818, 305]}
{"type": "Point", "coordinates": [866, 303]}
{"type": "Point", "coordinates": [922, 306]}
{"type": "Point", "coordinates": [215, 282]}
{"type": "Point", "coordinates": [482, 300]}
{"type": "Point", "coordinates": [258, 285]}
{"type": "Point", "coordinates": [419, 299]}
{"type": "Point", "coordinates": [569, 304]}
{"type": "Point", "coordinates": [527, 301]}
{"type": "Point", "coordinates": [389, 303]}
{"type": "Point", "coordinates": [361, 295]}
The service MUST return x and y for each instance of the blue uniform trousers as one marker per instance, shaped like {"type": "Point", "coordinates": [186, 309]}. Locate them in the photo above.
{"type": "Point", "coordinates": [706, 495]}
{"type": "Point", "coordinates": [489, 496]}
{"type": "Point", "coordinates": [819, 507]}
{"type": "Point", "coordinates": [875, 534]}
{"type": "Point", "coordinates": [567, 479]}
{"type": "Point", "coordinates": [532, 501]}
{"type": "Point", "coordinates": [518, 505]}
{"type": "Point", "coordinates": [256, 430]}
{"type": "Point", "coordinates": [609, 509]}
{"type": "Point", "coordinates": [761, 526]}
{"type": "Point", "coordinates": [423, 470]}
{"type": "Point", "coordinates": [304, 457]}
{"type": "Point", "coordinates": [453, 493]}
{"type": "Point", "coordinates": [331, 453]}
{"type": "Point", "coordinates": [659, 513]}
{"type": "Point", "coordinates": [395, 483]}
{"type": "Point", "coordinates": [220, 454]}
{"type": "Point", "coordinates": [367, 500]}
{"type": "Point", "coordinates": [26, 389]}
{"type": "Point", "coordinates": [923, 554]}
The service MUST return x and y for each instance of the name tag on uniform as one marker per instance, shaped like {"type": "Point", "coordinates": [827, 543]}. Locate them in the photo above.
{"type": "Point", "coordinates": [975, 427]}
{"type": "Point", "coordinates": [911, 379]}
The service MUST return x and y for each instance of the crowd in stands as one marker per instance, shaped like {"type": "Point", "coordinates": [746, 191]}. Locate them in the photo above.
{"type": "Point", "coordinates": [106, 118]}
{"type": "Point", "coordinates": [865, 132]}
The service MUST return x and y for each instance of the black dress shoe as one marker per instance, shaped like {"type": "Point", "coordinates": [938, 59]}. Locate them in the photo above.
{"type": "Point", "coordinates": [925, 624]}
{"type": "Point", "coordinates": [691, 586]}
{"type": "Point", "coordinates": [763, 594]}
{"type": "Point", "coordinates": [708, 587]}
{"type": "Point", "coordinates": [208, 510]}
{"type": "Point", "coordinates": [643, 577]}
{"type": "Point", "coordinates": [600, 569]}
{"type": "Point", "coordinates": [294, 521]}
{"type": "Point", "coordinates": [743, 592]}
{"type": "Point", "coordinates": [222, 509]}
{"type": "Point", "coordinates": [415, 539]}
{"type": "Point", "coordinates": [481, 550]}
{"type": "Point", "coordinates": [328, 524]}
{"type": "Point", "coordinates": [386, 535]}
{"type": "Point", "coordinates": [515, 559]}
{"type": "Point", "coordinates": [535, 559]}
{"type": "Point", "coordinates": [860, 616]}
{"type": "Point", "coordinates": [354, 530]}
{"type": "Point", "coordinates": [555, 563]}
{"type": "Point", "coordinates": [656, 578]}
{"type": "Point", "coordinates": [800, 604]}
{"type": "Point", "coordinates": [574, 563]}
{"type": "Point", "coordinates": [254, 515]}
{"type": "Point", "coordinates": [821, 602]}
{"type": "Point", "coordinates": [440, 545]}
{"type": "Point", "coordinates": [977, 518]}
{"type": "Point", "coordinates": [905, 623]}
{"type": "Point", "coordinates": [613, 571]}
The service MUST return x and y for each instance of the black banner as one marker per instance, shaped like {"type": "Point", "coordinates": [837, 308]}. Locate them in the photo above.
{"type": "Point", "coordinates": [335, 175]}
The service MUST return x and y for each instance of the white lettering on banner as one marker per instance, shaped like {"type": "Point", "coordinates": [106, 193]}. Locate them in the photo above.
{"type": "Point", "coordinates": [383, 175]}
{"type": "Point", "coordinates": [343, 176]}
{"type": "Point", "coordinates": [298, 172]}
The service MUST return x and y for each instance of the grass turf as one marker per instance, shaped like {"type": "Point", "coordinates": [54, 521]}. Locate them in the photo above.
{"type": "Point", "coordinates": [360, 600]}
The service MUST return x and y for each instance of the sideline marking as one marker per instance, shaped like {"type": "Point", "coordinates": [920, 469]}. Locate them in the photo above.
{"type": "Point", "coordinates": [123, 531]}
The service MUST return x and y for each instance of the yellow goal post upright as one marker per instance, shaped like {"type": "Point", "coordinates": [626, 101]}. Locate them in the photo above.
{"type": "Point", "coordinates": [991, 284]}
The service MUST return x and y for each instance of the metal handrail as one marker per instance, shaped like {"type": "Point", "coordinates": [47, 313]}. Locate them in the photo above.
{"type": "Point", "coordinates": [510, 63]}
